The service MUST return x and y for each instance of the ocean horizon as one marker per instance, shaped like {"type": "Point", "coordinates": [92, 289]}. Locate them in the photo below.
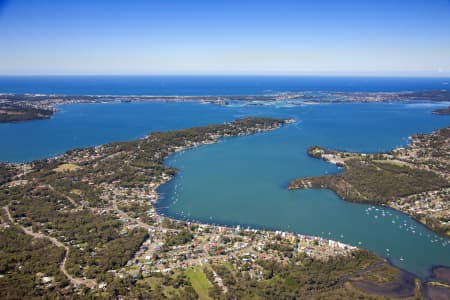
{"type": "Point", "coordinates": [202, 85]}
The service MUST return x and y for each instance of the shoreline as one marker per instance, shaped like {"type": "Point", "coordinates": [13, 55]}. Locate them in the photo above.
{"type": "Point", "coordinates": [404, 276]}
{"type": "Point", "coordinates": [247, 227]}
{"type": "Point", "coordinates": [49, 102]}
{"type": "Point", "coordinates": [341, 158]}
{"type": "Point", "coordinates": [157, 194]}
{"type": "Point", "coordinates": [167, 144]}
{"type": "Point", "coordinates": [250, 227]}
{"type": "Point", "coordinates": [49, 156]}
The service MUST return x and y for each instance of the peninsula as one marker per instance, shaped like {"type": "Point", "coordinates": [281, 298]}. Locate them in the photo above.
{"type": "Point", "coordinates": [83, 224]}
{"type": "Point", "coordinates": [13, 112]}
{"type": "Point", "coordinates": [414, 179]}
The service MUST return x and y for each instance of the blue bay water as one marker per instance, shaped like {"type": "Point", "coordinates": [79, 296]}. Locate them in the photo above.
{"type": "Point", "coordinates": [243, 180]}
{"type": "Point", "coordinates": [83, 125]}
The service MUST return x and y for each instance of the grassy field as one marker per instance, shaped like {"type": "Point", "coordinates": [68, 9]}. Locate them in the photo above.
{"type": "Point", "coordinates": [391, 162]}
{"type": "Point", "coordinates": [77, 192]}
{"type": "Point", "coordinates": [66, 168]}
{"type": "Point", "coordinates": [199, 282]}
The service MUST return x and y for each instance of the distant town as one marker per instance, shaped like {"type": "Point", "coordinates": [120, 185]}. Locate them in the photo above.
{"type": "Point", "coordinates": [23, 107]}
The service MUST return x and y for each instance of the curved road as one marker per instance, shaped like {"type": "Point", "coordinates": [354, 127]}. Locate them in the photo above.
{"type": "Point", "coordinates": [74, 280]}
{"type": "Point", "coordinates": [126, 216]}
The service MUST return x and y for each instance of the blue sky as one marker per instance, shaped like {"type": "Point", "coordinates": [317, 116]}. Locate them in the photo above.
{"type": "Point", "coordinates": [320, 37]}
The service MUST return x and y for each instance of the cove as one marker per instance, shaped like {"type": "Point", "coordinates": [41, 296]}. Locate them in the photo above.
{"type": "Point", "coordinates": [243, 181]}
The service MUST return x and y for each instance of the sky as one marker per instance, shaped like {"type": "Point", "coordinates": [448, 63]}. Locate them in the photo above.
{"type": "Point", "coordinates": [225, 37]}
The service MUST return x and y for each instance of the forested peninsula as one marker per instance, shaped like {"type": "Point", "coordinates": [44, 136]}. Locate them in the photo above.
{"type": "Point", "coordinates": [414, 179]}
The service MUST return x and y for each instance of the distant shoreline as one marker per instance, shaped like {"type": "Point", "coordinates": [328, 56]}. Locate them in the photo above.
{"type": "Point", "coordinates": [443, 111]}
{"type": "Point", "coordinates": [26, 107]}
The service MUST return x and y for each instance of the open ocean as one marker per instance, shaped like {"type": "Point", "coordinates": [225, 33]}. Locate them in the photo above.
{"type": "Point", "coordinates": [210, 85]}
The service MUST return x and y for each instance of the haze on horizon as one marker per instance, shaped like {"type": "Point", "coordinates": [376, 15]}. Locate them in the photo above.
{"type": "Point", "coordinates": [288, 37]}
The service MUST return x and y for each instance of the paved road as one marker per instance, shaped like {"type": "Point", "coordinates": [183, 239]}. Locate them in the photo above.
{"type": "Point", "coordinates": [74, 203]}
{"type": "Point", "coordinates": [74, 280]}
{"type": "Point", "coordinates": [126, 216]}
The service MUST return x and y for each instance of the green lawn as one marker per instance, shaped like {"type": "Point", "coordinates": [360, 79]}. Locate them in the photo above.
{"type": "Point", "coordinates": [66, 168]}
{"type": "Point", "coordinates": [199, 282]}
{"type": "Point", "coordinates": [391, 161]}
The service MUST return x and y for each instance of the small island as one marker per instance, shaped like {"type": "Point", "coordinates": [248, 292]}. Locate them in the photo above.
{"type": "Point", "coordinates": [414, 179]}
{"type": "Point", "coordinates": [442, 111]}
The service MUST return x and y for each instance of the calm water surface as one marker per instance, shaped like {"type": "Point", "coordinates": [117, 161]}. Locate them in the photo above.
{"type": "Point", "coordinates": [210, 85]}
{"type": "Point", "coordinates": [244, 181]}
{"type": "Point", "coordinates": [83, 125]}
